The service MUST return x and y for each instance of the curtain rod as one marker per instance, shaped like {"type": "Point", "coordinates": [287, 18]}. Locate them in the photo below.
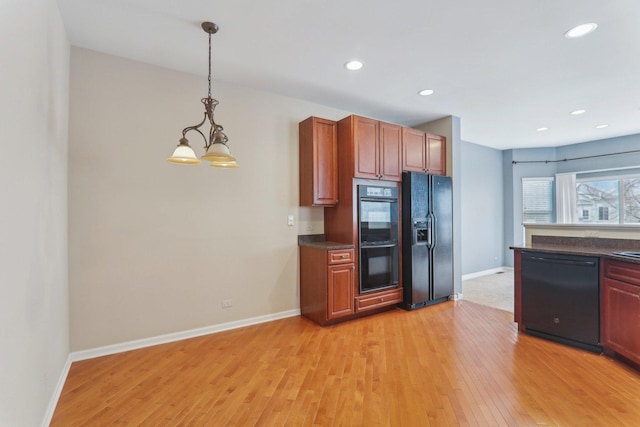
{"type": "Point", "coordinates": [515, 162]}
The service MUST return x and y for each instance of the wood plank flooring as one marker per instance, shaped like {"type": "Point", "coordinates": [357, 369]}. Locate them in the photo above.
{"type": "Point", "coordinates": [456, 363]}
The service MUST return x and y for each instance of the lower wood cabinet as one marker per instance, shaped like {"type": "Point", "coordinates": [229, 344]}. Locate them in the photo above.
{"type": "Point", "coordinates": [328, 289]}
{"type": "Point", "coordinates": [340, 289]}
{"type": "Point", "coordinates": [327, 282]}
{"type": "Point", "coordinates": [620, 310]}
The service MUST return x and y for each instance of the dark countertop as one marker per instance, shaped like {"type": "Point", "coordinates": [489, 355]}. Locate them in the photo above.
{"type": "Point", "coordinates": [318, 241]}
{"type": "Point", "coordinates": [589, 246]}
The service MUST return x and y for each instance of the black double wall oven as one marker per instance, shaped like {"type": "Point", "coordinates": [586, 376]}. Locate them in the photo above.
{"type": "Point", "coordinates": [378, 223]}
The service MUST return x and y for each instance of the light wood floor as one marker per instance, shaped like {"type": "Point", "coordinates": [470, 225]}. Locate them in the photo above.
{"type": "Point", "coordinates": [456, 363]}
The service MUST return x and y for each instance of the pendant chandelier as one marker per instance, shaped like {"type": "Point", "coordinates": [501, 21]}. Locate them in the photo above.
{"type": "Point", "coordinates": [216, 149]}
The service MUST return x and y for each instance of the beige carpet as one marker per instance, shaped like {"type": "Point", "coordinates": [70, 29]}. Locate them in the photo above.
{"type": "Point", "coordinates": [493, 290]}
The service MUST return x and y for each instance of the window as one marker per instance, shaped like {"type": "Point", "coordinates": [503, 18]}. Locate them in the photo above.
{"type": "Point", "coordinates": [600, 199]}
{"type": "Point", "coordinates": [537, 200]}
{"type": "Point", "coordinates": [631, 200]}
{"type": "Point", "coordinates": [603, 213]}
{"type": "Point", "coordinates": [609, 197]}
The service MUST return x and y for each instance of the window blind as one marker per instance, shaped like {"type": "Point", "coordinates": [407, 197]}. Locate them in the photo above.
{"type": "Point", "coordinates": [537, 200]}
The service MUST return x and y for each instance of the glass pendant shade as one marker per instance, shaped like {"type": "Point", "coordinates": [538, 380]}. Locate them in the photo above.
{"type": "Point", "coordinates": [184, 154]}
{"type": "Point", "coordinates": [228, 165]}
{"type": "Point", "coordinates": [218, 152]}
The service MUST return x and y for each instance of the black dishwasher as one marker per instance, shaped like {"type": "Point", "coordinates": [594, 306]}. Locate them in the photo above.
{"type": "Point", "coordinates": [561, 298]}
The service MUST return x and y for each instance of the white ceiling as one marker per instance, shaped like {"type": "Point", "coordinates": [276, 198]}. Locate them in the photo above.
{"type": "Point", "coordinates": [502, 66]}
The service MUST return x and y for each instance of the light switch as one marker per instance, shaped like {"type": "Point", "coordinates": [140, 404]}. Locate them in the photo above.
{"type": "Point", "coordinates": [290, 220]}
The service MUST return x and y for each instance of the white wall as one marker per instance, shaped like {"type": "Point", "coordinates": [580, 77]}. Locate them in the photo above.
{"type": "Point", "coordinates": [155, 247]}
{"type": "Point", "coordinates": [34, 75]}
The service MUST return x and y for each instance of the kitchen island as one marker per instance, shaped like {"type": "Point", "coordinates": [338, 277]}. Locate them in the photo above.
{"type": "Point", "coordinates": [617, 295]}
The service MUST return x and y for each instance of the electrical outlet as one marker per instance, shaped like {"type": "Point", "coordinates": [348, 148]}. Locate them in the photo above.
{"type": "Point", "coordinates": [290, 220]}
{"type": "Point", "coordinates": [226, 303]}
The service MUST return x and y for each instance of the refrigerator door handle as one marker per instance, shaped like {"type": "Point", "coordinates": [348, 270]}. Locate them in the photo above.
{"type": "Point", "coordinates": [429, 231]}
{"type": "Point", "coordinates": [434, 225]}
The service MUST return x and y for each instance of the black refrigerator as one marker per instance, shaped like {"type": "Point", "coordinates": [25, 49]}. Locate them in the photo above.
{"type": "Point", "coordinates": [427, 239]}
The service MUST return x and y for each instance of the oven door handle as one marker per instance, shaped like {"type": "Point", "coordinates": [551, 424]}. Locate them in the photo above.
{"type": "Point", "coordinates": [375, 199]}
{"type": "Point", "coordinates": [387, 245]}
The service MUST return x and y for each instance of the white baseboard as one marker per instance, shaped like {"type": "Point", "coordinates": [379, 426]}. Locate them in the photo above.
{"type": "Point", "coordinates": [53, 402]}
{"type": "Point", "coordinates": [147, 342]}
{"type": "Point", "coordinates": [486, 272]}
{"type": "Point", "coordinates": [177, 336]}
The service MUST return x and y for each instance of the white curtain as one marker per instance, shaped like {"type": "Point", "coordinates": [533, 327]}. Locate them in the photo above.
{"type": "Point", "coordinates": [566, 198]}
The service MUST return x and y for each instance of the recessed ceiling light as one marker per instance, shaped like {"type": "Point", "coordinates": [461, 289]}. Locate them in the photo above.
{"type": "Point", "coordinates": [426, 92]}
{"type": "Point", "coordinates": [542, 129]}
{"type": "Point", "coordinates": [353, 65]}
{"type": "Point", "coordinates": [602, 126]}
{"type": "Point", "coordinates": [578, 112]}
{"type": "Point", "coordinates": [580, 30]}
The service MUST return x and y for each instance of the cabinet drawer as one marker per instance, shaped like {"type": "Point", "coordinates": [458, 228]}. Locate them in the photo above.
{"type": "Point", "coordinates": [624, 271]}
{"type": "Point", "coordinates": [340, 256]}
{"type": "Point", "coordinates": [378, 299]}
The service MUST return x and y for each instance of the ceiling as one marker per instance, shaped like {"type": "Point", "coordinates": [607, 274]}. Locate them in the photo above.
{"type": "Point", "coordinates": [502, 66]}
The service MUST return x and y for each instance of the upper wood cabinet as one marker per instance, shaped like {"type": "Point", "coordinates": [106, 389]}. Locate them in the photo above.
{"type": "Point", "coordinates": [414, 150]}
{"type": "Point", "coordinates": [436, 154]}
{"type": "Point", "coordinates": [423, 152]}
{"type": "Point", "coordinates": [318, 146]}
{"type": "Point", "coordinates": [390, 151]}
{"type": "Point", "coordinates": [370, 149]}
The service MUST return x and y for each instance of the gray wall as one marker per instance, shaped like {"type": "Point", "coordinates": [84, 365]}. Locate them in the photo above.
{"type": "Point", "coordinates": [513, 174]}
{"type": "Point", "coordinates": [508, 206]}
{"type": "Point", "coordinates": [604, 146]}
{"type": "Point", "coordinates": [482, 211]}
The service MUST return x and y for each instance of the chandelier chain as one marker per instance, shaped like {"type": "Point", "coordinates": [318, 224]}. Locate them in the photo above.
{"type": "Point", "coordinates": [209, 65]}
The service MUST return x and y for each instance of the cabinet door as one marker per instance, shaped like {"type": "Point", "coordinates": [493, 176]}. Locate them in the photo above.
{"type": "Point", "coordinates": [318, 162]}
{"type": "Point", "coordinates": [325, 163]}
{"type": "Point", "coordinates": [390, 152]}
{"type": "Point", "coordinates": [340, 290]}
{"type": "Point", "coordinates": [413, 150]}
{"type": "Point", "coordinates": [366, 146]}
{"type": "Point", "coordinates": [621, 318]}
{"type": "Point", "coordinates": [436, 154]}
